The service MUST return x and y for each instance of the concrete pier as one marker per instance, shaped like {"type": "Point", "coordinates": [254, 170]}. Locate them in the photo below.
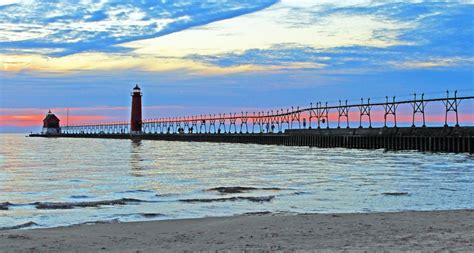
{"type": "Point", "coordinates": [429, 139]}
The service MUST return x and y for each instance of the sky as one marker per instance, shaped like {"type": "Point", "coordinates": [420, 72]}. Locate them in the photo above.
{"type": "Point", "coordinates": [194, 57]}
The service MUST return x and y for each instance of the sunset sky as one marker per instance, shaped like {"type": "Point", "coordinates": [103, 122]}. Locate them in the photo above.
{"type": "Point", "coordinates": [193, 57]}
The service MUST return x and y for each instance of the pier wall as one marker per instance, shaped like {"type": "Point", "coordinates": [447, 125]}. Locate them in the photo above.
{"type": "Point", "coordinates": [430, 139]}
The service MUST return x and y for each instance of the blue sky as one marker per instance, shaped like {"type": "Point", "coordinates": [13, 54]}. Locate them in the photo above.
{"type": "Point", "coordinates": [213, 56]}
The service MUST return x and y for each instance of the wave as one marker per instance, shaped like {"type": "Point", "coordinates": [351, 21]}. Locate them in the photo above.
{"type": "Point", "coordinates": [258, 213]}
{"type": "Point", "coordinates": [98, 222]}
{"type": "Point", "coordinates": [252, 199]}
{"type": "Point", "coordinates": [241, 189]}
{"type": "Point", "coordinates": [166, 194]}
{"type": "Point", "coordinates": [5, 205]}
{"type": "Point", "coordinates": [299, 193]}
{"type": "Point", "coordinates": [70, 205]}
{"type": "Point", "coordinates": [136, 191]}
{"type": "Point", "coordinates": [24, 225]}
{"type": "Point", "coordinates": [151, 215]}
{"type": "Point", "coordinates": [79, 197]}
{"type": "Point", "coordinates": [144, 215]}
{"type": "Point", "coordinates": [448, 189]}
{"type": "Point", "coordinates": [395, 193]}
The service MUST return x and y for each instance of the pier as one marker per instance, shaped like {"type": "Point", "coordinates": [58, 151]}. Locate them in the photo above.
{"type": "Point", "coordinates": [432, 139]}
{"type": "Point", "coordinates": [297, 126]}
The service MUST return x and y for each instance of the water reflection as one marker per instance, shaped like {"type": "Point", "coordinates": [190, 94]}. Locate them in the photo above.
{"type": "Point", "coordinates": [135, 157]}
{"type": "Point", "coordinates": [136, 142]}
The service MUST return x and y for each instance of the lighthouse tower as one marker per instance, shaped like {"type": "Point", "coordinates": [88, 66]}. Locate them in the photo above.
{"type": "Point", "coordinates": [136, 117]}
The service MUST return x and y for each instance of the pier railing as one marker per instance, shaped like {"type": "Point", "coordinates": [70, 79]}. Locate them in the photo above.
{"type": "Point", "coordinates": [317, 115]}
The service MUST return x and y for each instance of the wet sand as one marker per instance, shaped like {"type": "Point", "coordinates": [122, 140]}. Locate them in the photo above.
{"type": "Point", "coordinates": [402, 231]}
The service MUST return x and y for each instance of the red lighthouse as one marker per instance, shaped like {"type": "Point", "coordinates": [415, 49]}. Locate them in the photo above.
{"type": "Point", "coordinates": [51, 124]}
{"type": "Point", "coordinates": [136, 118]}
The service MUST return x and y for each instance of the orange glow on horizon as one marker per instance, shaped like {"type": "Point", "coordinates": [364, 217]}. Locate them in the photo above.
{"type": "Point", "coordinates": [37, 120]}
{"type": "Point", "coordinates": [29, 117]}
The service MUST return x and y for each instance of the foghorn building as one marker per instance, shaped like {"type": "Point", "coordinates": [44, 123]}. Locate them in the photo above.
{"type": "Point", "coordinates": [51, 124]}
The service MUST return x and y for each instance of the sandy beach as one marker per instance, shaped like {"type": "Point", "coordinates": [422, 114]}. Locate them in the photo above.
{"type": "Point", "coordinates": [402, 231]}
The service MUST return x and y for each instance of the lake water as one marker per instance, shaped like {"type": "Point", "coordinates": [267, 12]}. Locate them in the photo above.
{"type": "Point", "coordinates": [64, 181]}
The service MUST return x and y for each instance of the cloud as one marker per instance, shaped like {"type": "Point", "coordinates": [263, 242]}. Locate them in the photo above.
{"type": "Point", "coordinates": [437, 63]}
{"type": "Point", "coordinates": [78, 26]}
{"type": "Point", "coordinates": [326, 36]}
{"type": "Point", "coordinates": [272, 26]}
{"type": "Point", "coordinates": [435, 35]}
{"type": "Point", "coordinates": [82, 62]}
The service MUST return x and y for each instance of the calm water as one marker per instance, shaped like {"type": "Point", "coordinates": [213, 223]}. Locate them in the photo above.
{"type": "Point", "coordinates": [156, 176]}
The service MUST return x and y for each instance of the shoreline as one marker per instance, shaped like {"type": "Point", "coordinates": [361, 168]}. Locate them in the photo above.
{"type": "Point", "coordinates": [397, 231]}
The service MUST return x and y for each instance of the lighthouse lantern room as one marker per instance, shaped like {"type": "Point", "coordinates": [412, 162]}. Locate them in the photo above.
{"type": "Point", "coordinates": [51, 124]}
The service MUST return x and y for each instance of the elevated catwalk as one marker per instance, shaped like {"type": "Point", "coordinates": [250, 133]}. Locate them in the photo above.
{"type": "Point", "coordinates": [433, 139]}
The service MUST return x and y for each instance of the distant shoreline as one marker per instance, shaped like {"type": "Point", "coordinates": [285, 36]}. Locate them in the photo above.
{"type": "Point", "coordinates": [397, 231]}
